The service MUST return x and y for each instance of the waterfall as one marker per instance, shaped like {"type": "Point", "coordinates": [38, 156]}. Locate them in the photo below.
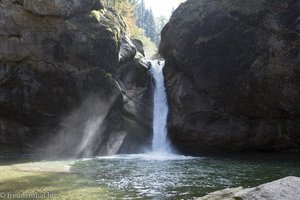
{"type": "Point", "coordinates": [160, 142]}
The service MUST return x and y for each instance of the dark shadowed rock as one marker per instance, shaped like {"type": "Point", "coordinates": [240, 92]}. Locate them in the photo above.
{"type": "Point", "coordinates": [57, 55]}
{"type": "Point", "coordinates": [58, 8]}
{"type": "Point", "coordinates": [232, 71]}
{"type": "Point", "coordinates": [139, 45]}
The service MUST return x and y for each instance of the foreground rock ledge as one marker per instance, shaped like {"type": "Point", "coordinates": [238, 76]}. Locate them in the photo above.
{"type": "Point", "coordinates": [287, 188]}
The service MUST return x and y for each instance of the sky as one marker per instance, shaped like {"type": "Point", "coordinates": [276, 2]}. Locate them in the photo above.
{"type": "Point", "coordinates": [162, 7]}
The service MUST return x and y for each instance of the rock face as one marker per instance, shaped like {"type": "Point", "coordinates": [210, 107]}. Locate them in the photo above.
{"type": "Point", "coordinates": [233, 75]}
{"type": "Point", "coordinates": [226, 194]}
{"type": "Point", "coordinates": [70, 60]}
{"type": "Point", "coordinates": [286, 188]}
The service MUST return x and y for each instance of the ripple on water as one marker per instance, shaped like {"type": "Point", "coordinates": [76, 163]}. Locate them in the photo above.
{"type": "Point", "coordinates": [169, 176]}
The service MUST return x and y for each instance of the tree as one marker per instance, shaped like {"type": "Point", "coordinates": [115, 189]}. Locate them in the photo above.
{"type": "Point", "coordinates": [150, 28]}
{"type": "Point", "coordinates": [126, 9]}
{"type": "Point", "coordinates": [145, 20]}
{"type": "Point", "coordinates": [160, 23]}
{"type": "Point", "coordinates": [140, 20]}
{"type": "Point", "coordinates": [140, 10]}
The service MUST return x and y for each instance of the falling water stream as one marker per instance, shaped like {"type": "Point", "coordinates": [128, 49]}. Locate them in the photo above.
{"type": "Point", "coordinates": [161, 174]}
{"type": "Point", "coordinates": [160, 142]}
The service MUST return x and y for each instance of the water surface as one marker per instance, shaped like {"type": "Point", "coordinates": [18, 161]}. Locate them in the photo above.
{"type": "Point", "coordinates": [154, 176]}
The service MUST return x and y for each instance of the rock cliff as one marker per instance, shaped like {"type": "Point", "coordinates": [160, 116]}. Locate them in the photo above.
{"type": "Point", "coordinates": [63, 63]}
{"type": "Point", "coordinates": [233, 75]}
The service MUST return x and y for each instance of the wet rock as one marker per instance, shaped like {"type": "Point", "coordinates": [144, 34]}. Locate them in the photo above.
{"type": "Point", "coordinates": [54, 55]}
{"type": "Point", "coordinates": [232, 75]}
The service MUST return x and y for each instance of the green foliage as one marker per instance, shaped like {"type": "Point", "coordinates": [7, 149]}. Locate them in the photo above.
{"type": "Point", "coordinates": [125, 8]}
{"type": "Point", "coordinates": [128, 9]}
{"type": "Point", "coordinates": [160, 23]}
{"type": "Point", "coordinates": [140, 21]}
{"type": "Point", "coordinates": [145, 20]}
{"type": "Point", "coordinates": [149, 47]}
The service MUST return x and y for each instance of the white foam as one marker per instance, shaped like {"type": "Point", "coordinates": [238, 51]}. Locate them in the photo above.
{"type": "Point", "coordinates": [160, 109]}
{"type": "Point", "coordinates": [150, 156]}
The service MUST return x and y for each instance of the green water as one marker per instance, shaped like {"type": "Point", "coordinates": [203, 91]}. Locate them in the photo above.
{"type": "Point", "coordinates": [147, 176]}
{"type": "Point", "coordinates": [165, 177]}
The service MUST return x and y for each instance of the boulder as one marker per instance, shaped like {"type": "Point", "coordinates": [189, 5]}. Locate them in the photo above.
{"type": "Point", "coordinates": [232, 75]}
{"type": "Point", "coordinates": [61, 62]}
{"type": "Point", "coordinates": [286, 188]}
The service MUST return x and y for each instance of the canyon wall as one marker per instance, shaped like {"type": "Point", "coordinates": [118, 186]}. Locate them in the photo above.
{"type": "Point", "coordinates": [63, 63]}
{"type": "Point", "coordinates": [233, 75]}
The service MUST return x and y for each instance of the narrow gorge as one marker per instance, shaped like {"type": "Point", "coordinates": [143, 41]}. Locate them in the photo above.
{"type": "Point", "coordinates": [105, 99]}
{"type": "Point", "coordinates": [231, 79]}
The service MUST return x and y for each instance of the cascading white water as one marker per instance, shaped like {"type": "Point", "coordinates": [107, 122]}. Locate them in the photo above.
{"type": "Point", "coordinates": [160, 142]}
